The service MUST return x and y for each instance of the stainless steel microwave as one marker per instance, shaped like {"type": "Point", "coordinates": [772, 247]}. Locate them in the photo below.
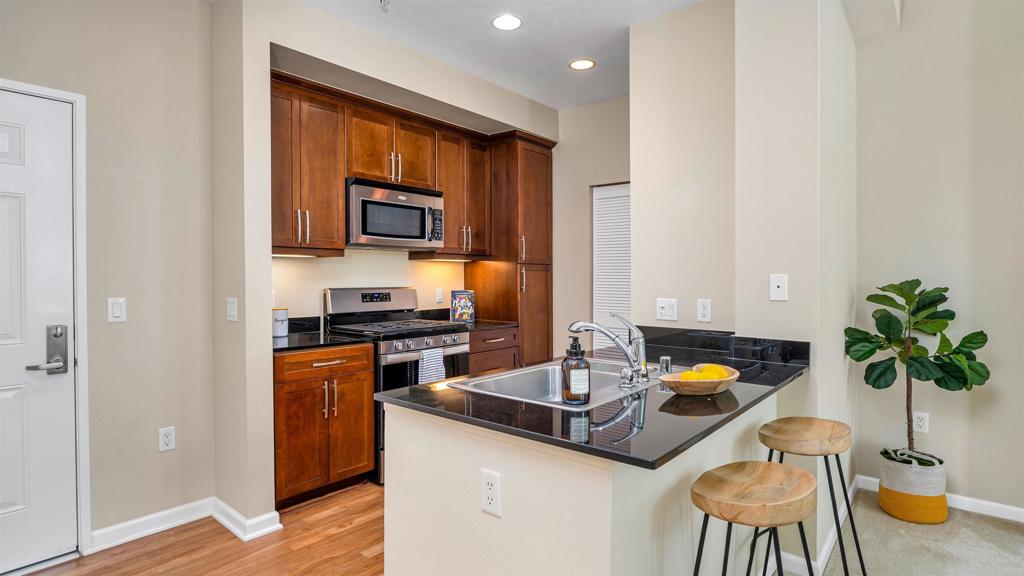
{"type": "Point", "coordinates": [392, 216]}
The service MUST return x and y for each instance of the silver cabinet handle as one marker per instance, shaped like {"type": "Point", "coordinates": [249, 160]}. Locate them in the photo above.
{"type": "Point", "coordinates": [493, 340]}
{"type": "Point", "coordinates": [325, 398]}
{"type": "Point", "coordinates": [399, 166]}
{"type": "Point", "coordinates": [57, 364]}
{"type": "Point", "coordinates": [307, 226]}
{"type": "Point", "coordinates": [391, 176]}
{"type": "Point", "coordinates": [522, 248]}
{"type": "Point", "coordinates": [298, 216]}
{"type": "Point", "coordinates": [334, 381]}
{"type": "Point", "coordinates": [470, 249]}
{"type": "Point", "coordinates": [522, 279]}
{"type": "Point", "coordinates": [328, 363]}
{"type": "Point", "coordinates": [463, 245]}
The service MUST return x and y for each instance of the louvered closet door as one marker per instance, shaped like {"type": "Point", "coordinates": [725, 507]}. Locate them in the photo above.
{"type": "Point", "coordinates": [611, 259]}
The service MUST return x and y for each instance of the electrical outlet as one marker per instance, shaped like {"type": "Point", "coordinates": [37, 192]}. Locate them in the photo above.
{"type": "Point", "coordinates": [703, 310]}
{"type": "Point", "coordinates": [438, 296]}
{"type": "Point", "coordinates": [666, 309]}
{"type": "Point", "coordinates": [490, 492]}
{"type": "Point", "coordinates": [232, 309]}
{"type": "Point", "coordinates": [921, 422]}
{"type": "Point", "coordinates": [778, 289]}
{"type": "Point", "coordinates": [166, 437]}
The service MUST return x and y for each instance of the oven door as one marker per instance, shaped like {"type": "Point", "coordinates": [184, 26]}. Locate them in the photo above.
{"type": "Point", "coordinates": [401, 370]}
{"type": "Point", "coordinates": [392, 216]}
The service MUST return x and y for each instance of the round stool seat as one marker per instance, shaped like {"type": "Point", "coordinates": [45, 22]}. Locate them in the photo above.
{"type": "Point", "coordinates": [806, 436]}
{"type": "Point", "coordinates": [761, 494]}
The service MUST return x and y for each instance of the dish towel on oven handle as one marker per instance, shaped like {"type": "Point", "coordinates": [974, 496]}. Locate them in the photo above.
{"type": "Point", "coordinates": [431, 365]}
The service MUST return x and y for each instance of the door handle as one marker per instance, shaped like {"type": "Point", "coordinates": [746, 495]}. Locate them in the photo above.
{"type": "Point", "coordinates": [399, 166]}
{"type": "Point", "coordinates": [325, 399]}
{"type": "Point", "coordinates": [298, 216]}
{"type": "Point", "coordinates": [463, 246]}
{"type": "Point", "coordinates": [522, 246]}
{"type": "Point", "coordinates": [391, 176]}
{"type": "Point", "coordinates": [522, 280]}
{"type": "Point", "coordinates": [470, 249]}
{"type": "Point", "coordinates": [494, 340]}
{"type": "Point", "coordinates": [334, 382]}
{"type": "Point", "coordinates": [328, 363]}
{"type": "Point", "coordinates": [307, 226]}
{"type": "Point", "coordinates": [56, 351]}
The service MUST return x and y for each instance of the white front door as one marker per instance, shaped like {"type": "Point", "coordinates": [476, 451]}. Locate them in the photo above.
{"type": "Point", "coordinates": [38, 504]}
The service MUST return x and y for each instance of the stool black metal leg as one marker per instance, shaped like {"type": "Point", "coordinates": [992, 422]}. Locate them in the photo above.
{"type": "Point", "coordinates": [807, 553]}
{"type": "Point", "coordinates": [849, 513]}
{"type": "Point", "coordinates": [771, 533]}
{"type": "Point", "coordinates": [700, 547]}
{"type": "Point", "coordinates": [835, 514]}
{"type": "Point", "coordinates": [778, 553]}
{"type": "Point", "coordinates": [725, 561]}
{"type": "Point", "coordinates": [753, 549]}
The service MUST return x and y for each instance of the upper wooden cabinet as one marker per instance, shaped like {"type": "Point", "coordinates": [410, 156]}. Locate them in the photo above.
{"type": "Point", "coordinates": [307, 175]}
{"type": "Point", "coordinates": [463, 176]}
{"type": "Point", "coordinates": [390, 149]}
{"type": "Point", "coordinates": [521, 195]}
{"type": "Point", "coordinates": [478, 197]}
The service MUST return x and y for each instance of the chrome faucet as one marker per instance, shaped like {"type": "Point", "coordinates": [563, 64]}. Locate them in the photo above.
{"type": "Point", "coordinates": [634, 350]}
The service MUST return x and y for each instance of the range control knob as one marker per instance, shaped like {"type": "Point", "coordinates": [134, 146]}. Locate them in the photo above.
{"type": "Point", "coordinates": [409, 344]}
{"type": "Point", "coordinates": [446, 339]}
{"type": "Point", "coordinates": [398, 345]}
{"type": "Point", "coordinates": [428, 342]}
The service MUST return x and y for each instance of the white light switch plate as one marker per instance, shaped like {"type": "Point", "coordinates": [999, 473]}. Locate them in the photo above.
{"type": "Point", "coordinates": [117, 309]}
{"type": "Point", "coordinates": [666, 309]}
{"type": "Point", "coordinates": [778, 289]}
{"type": "Point", "coordinates": [232, 309]}
{"type": "Point", "coordinates": [438, 296]}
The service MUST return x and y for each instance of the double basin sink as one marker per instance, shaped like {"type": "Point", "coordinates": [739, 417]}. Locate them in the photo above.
{"type": "Point", "coordinates": [542, 384]}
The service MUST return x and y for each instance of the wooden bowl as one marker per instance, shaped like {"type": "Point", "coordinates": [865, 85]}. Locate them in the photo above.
{"type": "Point", "coordinates": [699, 387]}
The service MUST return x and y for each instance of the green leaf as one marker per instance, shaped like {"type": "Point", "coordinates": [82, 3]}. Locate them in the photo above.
{"type": "Point", "coordinates": [886, 300]}
{"type": "Point", "coordinates": [889, 326]}
{"type": "Point", "coordinates": [861, 351]}
{"type": "Point", "coordinates": [923, 369]}
{"type": "Point", "coordinates": [942, 315]}
{"type": "Point", "coordinates": [931, 326]}
{"type": "Point", "coordinates": [881, 374]}
{"type": "Point", "coordinates": [907, 290]}
{"type": "Point", "coordinates": [973, 341]}
{"type": "Point", "coordinates": [929, 299]}
{"type": "Point", "coordinates": [977, 373]}
{"type": "Point", "coordinates": [953, 378]}
{"type": "Point", "coordinates": [945, 346]}
{"type": "Point", "coordinates": [919, 351]}
{"type": "Point", "coordinates": [923, 314]}
{"type": "Point", "coordinates": [857, 335]}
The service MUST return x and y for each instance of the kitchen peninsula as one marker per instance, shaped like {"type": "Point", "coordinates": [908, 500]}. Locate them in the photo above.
{"type": "Point", "coordinates": [601, 491]}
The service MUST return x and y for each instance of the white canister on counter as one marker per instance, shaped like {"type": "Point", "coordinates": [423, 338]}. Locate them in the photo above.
{"type": "Point", "coordinates": [280, 322]}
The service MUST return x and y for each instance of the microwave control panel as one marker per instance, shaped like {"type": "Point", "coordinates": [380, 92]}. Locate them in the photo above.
{"type": "Point", "coordinates": [437, 225]}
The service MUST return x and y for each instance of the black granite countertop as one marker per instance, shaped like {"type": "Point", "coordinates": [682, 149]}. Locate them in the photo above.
{"type": "Point", "coordinates": [655, 425]}
{"type": "Point", "coordinates": [305, 340]}
{"type": "Point", "coordinates": [481, 325]}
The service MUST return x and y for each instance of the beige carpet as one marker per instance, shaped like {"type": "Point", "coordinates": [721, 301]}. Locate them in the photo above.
{"type": "Point", "coordinates": [966, 545]}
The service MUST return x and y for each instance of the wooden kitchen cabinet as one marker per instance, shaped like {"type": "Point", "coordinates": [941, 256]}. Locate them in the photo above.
{"type": "Point", "coordinates": [307, 175]}
{"type": "Point", "coordinates": [463, 176]}
{"type": "Point", "coordinates": [416, 150]}
{"type": "Point", "coordinates": [496, 349]}
{"type": "Point", "coordinates": [534, 203]}
{"type": "Point", "coordinates": [535, 313]}
{"type": "Point", "coordinates": [323, 417]}
{"type": "Point", "coordinates": [370, 144]}
{"type": "Point", "coordinates": [478, 197]}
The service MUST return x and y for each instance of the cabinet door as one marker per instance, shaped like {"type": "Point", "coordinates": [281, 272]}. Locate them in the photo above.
{"type": "Point", "coordinates": [416, 146]}
{"type": "Point", "coordinates": [478, 197]}
{"type": "Point", "coordinates": [351, 417]}
{"type": "Point", "coordinates": [534, 204]}
{"type": "Point", "coordinates": [300, 436]}
{"type": "Point", "coordinates": [451, 181]}
{"type": "Point", "coordinates": [534, 313]}
{"type": "Point", "coordinates": [322, 153]}
{"type": "Point", "coordinates": [284, 168]}
{"type": "Point", "coordinates": [370, 144]}
{"type": "Point", "coordinates": [504, 359]}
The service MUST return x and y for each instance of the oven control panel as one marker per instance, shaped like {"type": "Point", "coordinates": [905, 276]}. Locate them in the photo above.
{"type": "Point", "coordinates": [421, 342]}
{"type": "Point", "coordinates": [368, 297]}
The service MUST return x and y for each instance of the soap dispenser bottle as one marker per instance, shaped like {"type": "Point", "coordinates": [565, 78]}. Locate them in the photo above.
{"type": "Point", "coordinates": [575, 374]}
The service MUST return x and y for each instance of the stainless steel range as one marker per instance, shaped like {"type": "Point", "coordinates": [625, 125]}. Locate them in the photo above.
{"type": "Point", "coordinates": [401, 341]}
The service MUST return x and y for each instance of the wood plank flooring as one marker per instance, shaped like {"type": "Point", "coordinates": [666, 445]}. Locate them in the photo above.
{"type": "Point", "coordinates": [340, 533]}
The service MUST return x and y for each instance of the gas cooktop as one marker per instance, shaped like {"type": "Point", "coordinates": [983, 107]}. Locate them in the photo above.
{"type": "Point", "coordinates": [399, 327]}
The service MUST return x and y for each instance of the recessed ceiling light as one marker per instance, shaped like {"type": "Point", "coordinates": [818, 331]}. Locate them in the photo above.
{"type": "Point", "coordinates": [582, 64]}
{"type": "Point", "coordinates": [507, 22]}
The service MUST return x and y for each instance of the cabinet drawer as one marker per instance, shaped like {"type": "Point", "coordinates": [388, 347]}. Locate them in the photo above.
{"type": "Point", "coordinates": [503, 359]}
{"type": "Point", "coordinates": [321, 362]}
{"type": "Point", "coordinates": [485, 340]}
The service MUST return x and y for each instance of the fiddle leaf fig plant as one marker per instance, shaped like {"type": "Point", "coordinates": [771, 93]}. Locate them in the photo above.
{"type": "Point", "coordinates": [908, 312]}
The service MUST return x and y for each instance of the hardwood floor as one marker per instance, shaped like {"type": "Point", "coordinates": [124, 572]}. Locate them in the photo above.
{"type": "Point", "coordinates": [341, 533]}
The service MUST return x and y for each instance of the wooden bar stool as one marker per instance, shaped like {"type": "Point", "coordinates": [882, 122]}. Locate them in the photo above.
{"type": "Point", "coordinates": [758, 494]}
{"type": "Point", "coordinates": [816, 437]}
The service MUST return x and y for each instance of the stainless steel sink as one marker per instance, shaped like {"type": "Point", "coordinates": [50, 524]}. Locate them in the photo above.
{"type": "Point", "coordinates": [542, 384]}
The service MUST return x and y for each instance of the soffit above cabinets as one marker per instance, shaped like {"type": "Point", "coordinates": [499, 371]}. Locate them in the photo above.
{"type": "Point", "coordinates": [533, 60]}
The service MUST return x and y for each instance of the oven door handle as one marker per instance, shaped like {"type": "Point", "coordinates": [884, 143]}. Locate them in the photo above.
{"type": "Point", "coordinates": [399, 358]}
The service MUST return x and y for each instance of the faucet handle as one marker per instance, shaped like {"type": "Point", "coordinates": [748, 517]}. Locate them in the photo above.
{"type": "Point", "coordinates": [626, 378]}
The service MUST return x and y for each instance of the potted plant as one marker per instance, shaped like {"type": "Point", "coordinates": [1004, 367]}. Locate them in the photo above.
{"type": "Point", "coordinates": [912, 484]}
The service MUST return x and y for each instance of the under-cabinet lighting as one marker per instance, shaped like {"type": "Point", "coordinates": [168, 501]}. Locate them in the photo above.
{"type": "Point", "coordinates": [292, 256]}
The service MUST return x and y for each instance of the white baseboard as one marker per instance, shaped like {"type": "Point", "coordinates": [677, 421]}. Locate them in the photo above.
{"type": "Point", "coordinates": [245, 529]}
{"type": "Point", "coordinates": [966, 503]}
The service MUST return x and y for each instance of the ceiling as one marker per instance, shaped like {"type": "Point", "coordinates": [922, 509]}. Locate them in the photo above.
{"type": "Point", "coordinates": [533, 60]}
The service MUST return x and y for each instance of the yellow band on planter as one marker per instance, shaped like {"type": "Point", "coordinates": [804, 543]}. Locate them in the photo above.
{"type": "Point", "coordinates": [912, 507]}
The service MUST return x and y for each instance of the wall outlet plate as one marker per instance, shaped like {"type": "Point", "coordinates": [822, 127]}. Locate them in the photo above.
{"type": "Point", "coordinates": [921, 422]}
{"type": "Point", "coordinates": [232, 309]}
{"type": "Point", "coordinates": [666, 309]}
{"type": "Point", "coordinates": [703, 310]}
{"type": "Point", "coordinates": [438, 296]}
{"type": "Point", "coordinates": [778, 290]}
{"type": "Point", "coordinates": [166, 439]}
{"type": "Point", "coordinates": [490, 492]}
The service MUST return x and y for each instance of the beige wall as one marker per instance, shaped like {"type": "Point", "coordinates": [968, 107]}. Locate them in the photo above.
{"type": "Point", "coordinates": [145, 71]}
{"type": "Point", "coordinates": [299, 282]}
{"type": "Point", "coordinates": [682, 162]}
{"type": "Point", "coordinates": [941, 126]}
{"type": "Point", "coordinates": [593, 149]}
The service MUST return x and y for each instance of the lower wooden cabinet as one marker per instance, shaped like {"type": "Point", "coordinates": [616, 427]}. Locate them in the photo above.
{"type": "Point", "coordinates": [323, 425]}
{"type": "Point", "coordinates": [496, 349]}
